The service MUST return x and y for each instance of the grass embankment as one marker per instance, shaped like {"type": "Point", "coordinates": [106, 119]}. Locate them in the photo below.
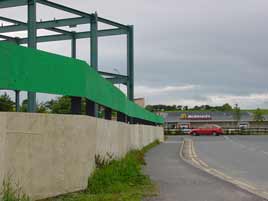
{"type": "Point", "coordinates": [118, 180]}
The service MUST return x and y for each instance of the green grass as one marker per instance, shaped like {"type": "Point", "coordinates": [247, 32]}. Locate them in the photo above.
{"type": "Point", "coordinates": [9, 193]}
{"type": "Point", "coordinates": [119, 180]}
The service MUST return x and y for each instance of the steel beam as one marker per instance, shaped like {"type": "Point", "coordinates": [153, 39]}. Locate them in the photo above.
{"type": "Point", "coordinates": [112, 23]}
{"type": "Point", "coordinates": [130, 63]}
{"type": "Point", "coordinates": [23, 23]}
{"type": "Point", "coordinates": [46, 24]}
{"type": "Point", "coordinates": [32, 44]}
{"type": "Point", "coordinates": [65, 8]}
{"type": "Point", "coordinates": [12, 3]}
{"type": "Point", "coordinates": [77, 12]}
{"type": "Point", "coordinates": [81, 35]}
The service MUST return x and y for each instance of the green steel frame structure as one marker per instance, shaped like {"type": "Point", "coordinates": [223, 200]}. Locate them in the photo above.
{"type": "Point", "coordinates": [31, 26]}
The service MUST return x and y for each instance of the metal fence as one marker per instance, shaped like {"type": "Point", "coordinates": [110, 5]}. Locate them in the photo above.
{"type": "Point", "coordinates": [227, 131]}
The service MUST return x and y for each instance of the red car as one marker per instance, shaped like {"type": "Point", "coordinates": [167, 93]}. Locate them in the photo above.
{"type": "Point", "coordinates": [207, 130]}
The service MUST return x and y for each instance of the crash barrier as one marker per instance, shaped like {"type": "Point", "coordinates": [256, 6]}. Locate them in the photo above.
{"type": "Point", "coordinates": [32, 70]}
{"type": "Point", "coordinates": [48, 154]}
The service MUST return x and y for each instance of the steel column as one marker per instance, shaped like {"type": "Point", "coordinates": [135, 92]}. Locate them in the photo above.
{"type": "Point", "coordinates": [76, 105]}
{"type": "Point", "coordinates": [94, 42]}
{"type": "Point", "coordinates": [121, 117]}
{"type": "Point", "coordinates": [32, 44]}
{"type": "Point", "coordinates": [17, 100]}
{"type": "Point", "coordinates": [107, 113]}
{"type": "Point", "coordinates": [130, 63]}
{"type": "Point", "coordinates": [73, 46]}
{"type": "Point", "coordinates": [76, 102]}
{"type": "Point", "coordinates": [92, 107]}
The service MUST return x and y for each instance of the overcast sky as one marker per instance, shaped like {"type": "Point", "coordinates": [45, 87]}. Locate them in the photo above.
{"type": "Point", "coordinates": [187, 52]}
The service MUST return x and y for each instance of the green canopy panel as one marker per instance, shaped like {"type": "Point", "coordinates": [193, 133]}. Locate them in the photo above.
{"type": "Point", "coordinates": [33, 70]}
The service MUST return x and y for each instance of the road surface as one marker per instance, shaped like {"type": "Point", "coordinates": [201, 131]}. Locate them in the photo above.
{"type": "Point", "coordinates": [241, 157]}
{"type": "Point", "coordinates": [179, 181]}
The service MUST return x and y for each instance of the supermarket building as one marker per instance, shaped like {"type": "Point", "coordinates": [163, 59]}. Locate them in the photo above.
{"type": "Point", "coordinates": [177, 120]}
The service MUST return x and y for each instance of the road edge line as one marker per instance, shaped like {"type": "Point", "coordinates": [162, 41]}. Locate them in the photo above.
{"type": "Point", "coordinates": [201, 165]}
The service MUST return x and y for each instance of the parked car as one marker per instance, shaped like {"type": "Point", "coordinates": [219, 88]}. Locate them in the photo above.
{"type": "Point", "coordinates": [208, 129]}
{"type": "Point", "coordinates": [185, 130]}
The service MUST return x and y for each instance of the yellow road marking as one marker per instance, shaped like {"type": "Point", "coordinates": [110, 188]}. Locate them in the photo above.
{"type": "Point", "coordinates": [245, 184]}
{"type": "Point", "coordinates": [221, 173]}
{"type": "Point", "coordinates": [202, 165]}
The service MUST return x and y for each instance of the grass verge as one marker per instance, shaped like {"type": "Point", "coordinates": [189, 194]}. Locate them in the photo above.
{"type": "Point", "coordinates": [9, 193]}
{"type": "Point", "coordinates": [118, 180]}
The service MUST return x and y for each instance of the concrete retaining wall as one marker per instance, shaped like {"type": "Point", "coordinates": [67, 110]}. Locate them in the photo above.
{"type": "Point", "coordinates": [50, 155]}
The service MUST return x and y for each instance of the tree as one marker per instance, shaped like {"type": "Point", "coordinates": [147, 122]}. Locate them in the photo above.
{"type": "Point", "coordinates": [196, 108]}
{"type": "Point", "coordinates": [23, 107]}
{"type": "Point", "coordinates": [258, 115]}
{"type": "Point", "coordinates": [237, 113]}
{"type": "Point", "coordinates": [61, 105]}
{"type": "Point", "coordinates": [226, 107]}
{"type": "Point", "coordinates": [179, 107]}
{"type": "Point", "coordinates": [149, 108]}
{"type": "Point", "coordinates": [42, 108]}
{"type": "Point", "coordinates": [6, 104]}
{"type": "Point", "coordinates": [185, 107]}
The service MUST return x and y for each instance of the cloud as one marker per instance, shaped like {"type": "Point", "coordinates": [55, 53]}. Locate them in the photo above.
{"type": "Point", "coordinates": [194, 52]}
{"type": "Point", "coordinates": [151, 91]}
{"type": "Point", "coordinates": [244, 101]}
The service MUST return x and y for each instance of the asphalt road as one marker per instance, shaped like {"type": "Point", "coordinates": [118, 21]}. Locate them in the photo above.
{"type": "Point", "coordinates": [241, 157]}
{"type": "Point", "coordinates": [179, 181]}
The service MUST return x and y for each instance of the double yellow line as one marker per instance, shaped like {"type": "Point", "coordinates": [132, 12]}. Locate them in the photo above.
{"type": "Point", "coordinates": [188, 149]}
